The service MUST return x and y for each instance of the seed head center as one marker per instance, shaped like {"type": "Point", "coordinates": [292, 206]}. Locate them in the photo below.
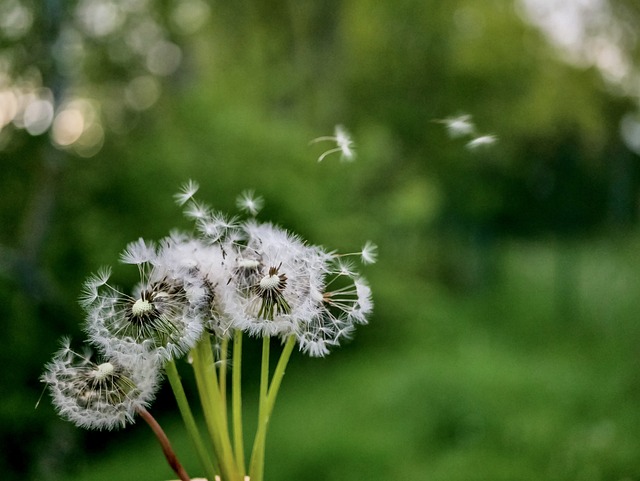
{"type": "Point", "coordinates": [103, 371]}
{"type": "Point", "coordinates": [270, 282]}
{"type": "Point", "coordinates": [141, 307]}
{"type": "Point", "coordinates": [248, 263]}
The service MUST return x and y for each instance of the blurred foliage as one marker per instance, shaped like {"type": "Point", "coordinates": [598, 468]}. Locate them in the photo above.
{"type": "Point", "coordinates": [503, 341]}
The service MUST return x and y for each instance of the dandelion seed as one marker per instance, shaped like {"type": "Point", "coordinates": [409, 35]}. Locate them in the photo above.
{"type": "Point", "coordinates": [196, 210]}
{"type": "Point", "coordinates": [90, 291]}
{"type": "Point", "coordinates": [99, 395]}
{"type": "Point", "coordinates": [216, 226]}
{"type": "Point", "coordinates": [459, 126]}
{"type": "Point", "coordinates": [481, 142]}
{"type": "Point", "coordinates": [344, 145]}
{"type": "Point", "coordinates": [369, 253]}
{"type": "Point", "coordinates": [187, 191]}
{"type": "Point", "coordinates": [342, 267]}
{"type": "Point", "coordinates": [248, 202]}
{"type": "Point", "coordinates": [138, 252]}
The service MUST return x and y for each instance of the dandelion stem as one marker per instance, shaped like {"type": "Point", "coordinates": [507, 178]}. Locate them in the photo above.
{"type": "Point", "coordinates": [267, 402]}
{"type": "Point", "coordinates": [188, 419]}
{"type": "Point", "coordinates": [236, 400]}
{"type": "Point", "coordinates": [264, 372]}
{"type": "Point", "coordinates": [279, 373]}
{"type": "Point", "coordinates": [222, 377]}
{"type": "Point", "coordinates": [256, 465]}
{"type": "Point", "coordinates": [167, 450]}
{"type": "Point", "coordinates": [208, 389]}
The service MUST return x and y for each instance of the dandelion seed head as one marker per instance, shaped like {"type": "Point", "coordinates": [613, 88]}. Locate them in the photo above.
{"type": "Point", "coordinates": [269, 289]}
{"type": "Point", "coordinates": [102, 395]}
{"type": "Point", "coordinates": [165, 314]}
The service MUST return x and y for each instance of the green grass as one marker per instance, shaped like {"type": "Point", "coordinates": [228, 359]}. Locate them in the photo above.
{"type": "Point", "coordinates": [501, 384]}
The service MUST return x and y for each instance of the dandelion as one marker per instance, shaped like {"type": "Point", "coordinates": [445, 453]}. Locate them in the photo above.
{"type": "Point", "coordinates": [344, 145]}
{"type": "Point", "coordinates": [460, 126]}
{"type": "Point", "coordinates": [248, 202]}
{"type": "Point", "coordinates": [164, 316]}
{"type": "Point", "coordinates": [282, 286]}
{"type": "Point", "coordinates": [99, 395]}
{"type": "Point", "coordinates": [481, 142]}
{"type": "Point", "coordinates": [271, 282]}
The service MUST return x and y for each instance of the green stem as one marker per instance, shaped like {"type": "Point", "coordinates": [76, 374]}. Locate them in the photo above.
{"type": "Point", "coordinates": [256, 468]}
{"type": "Point", "coordinates": [264, 372]}
{"type": "Point", "coordinates": [188, 419]}
{"type": "Point", "coordinates": [222, 377]}
{"type": "Point", "coordinates": [279, 373]}
{"type": "Point", "coordinates": [256, 464]}
{"type": "Point", "coordinates": [205, 401]}
{"type": "Point", "coordinates": [208, 388]}
{"type": "Point", "coordinates": [236, 400]}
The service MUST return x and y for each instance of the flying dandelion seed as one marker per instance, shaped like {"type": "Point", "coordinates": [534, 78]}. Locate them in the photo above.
{"type": "Point", "coordinates": [344, 145]}
{"type": "Point", "coordinates": [481, 142]}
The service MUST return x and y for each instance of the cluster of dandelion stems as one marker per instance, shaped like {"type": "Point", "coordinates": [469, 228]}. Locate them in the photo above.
{"type": "Point", "coordinates": [198, 296]}
{"type": "Point", "coordinates": [211, 381]}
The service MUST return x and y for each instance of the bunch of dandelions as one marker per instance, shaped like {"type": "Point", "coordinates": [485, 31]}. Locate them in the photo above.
{"type": "Point", "coordinates": [197, 296]}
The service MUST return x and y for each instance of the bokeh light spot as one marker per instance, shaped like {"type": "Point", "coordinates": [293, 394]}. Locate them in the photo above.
{"type": "Point", "coordinates": [142, 92]}
{"type": "Point", "coordinates": [164, 58]}
{"type": "Point", "coordinates": [15, 19]}
{"type": "Point", "coordinates": [99, 18]}
{"type": "Point", "coordinates": [90, 142]}
{"type": "Point", "coordinates": [67, 127]}
{"type": "Point", "coordinates": [190, 15]}
{"type": "Point", "coordinates": [38, 116]}
{"type": "Point", "coordinates": [8, 107]}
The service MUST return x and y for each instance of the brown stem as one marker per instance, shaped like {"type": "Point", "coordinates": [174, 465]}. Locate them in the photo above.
{"type": "Point", "coordinates": [167, 450]}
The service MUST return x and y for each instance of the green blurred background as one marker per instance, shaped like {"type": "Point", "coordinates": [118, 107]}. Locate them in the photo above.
{"type": "Point", "coordinates": [504, 343]}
